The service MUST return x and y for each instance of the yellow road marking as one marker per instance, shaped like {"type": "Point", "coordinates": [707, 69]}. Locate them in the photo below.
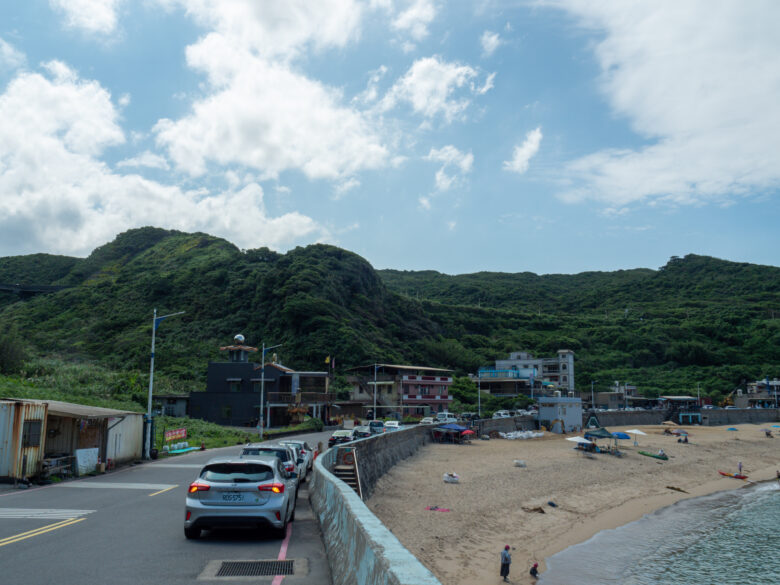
{"type": "Point", "coordinates": [38, 531]}
{"type": "Point", "coordinates": [165, 490]}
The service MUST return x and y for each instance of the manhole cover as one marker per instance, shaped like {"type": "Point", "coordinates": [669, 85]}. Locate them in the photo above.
{"type": "Point", "coordinates": [255, 568]}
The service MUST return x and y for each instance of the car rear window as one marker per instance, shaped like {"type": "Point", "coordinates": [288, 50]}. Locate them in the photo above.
{"type": "Point", "coordinates": [237, 472]}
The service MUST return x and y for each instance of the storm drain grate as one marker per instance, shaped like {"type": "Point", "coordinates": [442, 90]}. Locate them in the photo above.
{"type": "Point", "coordinates": [255, 568]}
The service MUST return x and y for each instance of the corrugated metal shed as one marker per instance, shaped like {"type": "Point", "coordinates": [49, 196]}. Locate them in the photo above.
{"type": "Point", "coordinates": [125, 438]}
{"type": "Point", "coordinates": [22, 438]}
{"type": "Point", "coordinates": [75, 410]}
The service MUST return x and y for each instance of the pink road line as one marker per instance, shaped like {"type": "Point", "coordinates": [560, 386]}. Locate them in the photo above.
{"type": "Point", "coordinates": [283, 553]}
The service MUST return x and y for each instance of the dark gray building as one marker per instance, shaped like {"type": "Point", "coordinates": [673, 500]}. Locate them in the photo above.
{"type": "Point", "coordinates": [237, 391]}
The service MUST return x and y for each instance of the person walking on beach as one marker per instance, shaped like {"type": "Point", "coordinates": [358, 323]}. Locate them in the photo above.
{"type": "Point", "coordinates": [739, 467]}
{"type": "Point", "coordinates": [506, 560]}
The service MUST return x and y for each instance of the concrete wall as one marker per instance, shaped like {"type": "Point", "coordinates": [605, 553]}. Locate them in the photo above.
{"type": "Point", "coordinates": [735, 417]}
{"type": "Point", "coordinates": [626, 418]}
{"type": "Point", "coordinates": [506, 425]}
{"type": "Point", "coordinates": [360, 549]}
{"type": "Point", "coordinates": [375, 455]}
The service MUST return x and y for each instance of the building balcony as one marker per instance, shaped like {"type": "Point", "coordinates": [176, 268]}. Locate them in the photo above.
{"type": "Point", "coordinates": [413, 398]}
{"type": "Point", "coordinates": [427, 379]}
{"type": "Point", "coordinates": [303, 397]}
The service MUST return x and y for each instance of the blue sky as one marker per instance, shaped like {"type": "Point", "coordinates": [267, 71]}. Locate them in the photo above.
{"type": "Point", "coordinates": [554, 137]}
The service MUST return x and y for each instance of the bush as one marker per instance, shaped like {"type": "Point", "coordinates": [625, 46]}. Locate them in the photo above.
{"type": "Point", "coordinates": [12, 355]}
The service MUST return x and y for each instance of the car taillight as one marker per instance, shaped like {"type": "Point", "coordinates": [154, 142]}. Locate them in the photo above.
{"type": "Point", "coordinates": [289, 467]}
{"type": "Point", "coordinates": [199, 487]}
{"type": "Point", "coordinates": [277, 488]}
{"type": "Point", "coordinates": [189, 515]}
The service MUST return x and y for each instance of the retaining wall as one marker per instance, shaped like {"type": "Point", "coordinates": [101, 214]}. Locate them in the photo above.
{"type": "Point", "coordinates": [626, 418]}
{"type": "Point", "coordinates": [734, 417]}
{"type": "Point", "coordinates": [506, 425]}
{"type": "Point", "coordinates": [360, 549]}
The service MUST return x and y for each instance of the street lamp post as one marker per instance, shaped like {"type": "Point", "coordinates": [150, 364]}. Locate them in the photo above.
{"type": "Point", "coordinates": [262, 386]}
{"type": "Point", "coordinates": [148, 439]}
{"type": "Point", "coordinates": [479, 395]}
{"type": "Point", "coordinates": [592, 398]}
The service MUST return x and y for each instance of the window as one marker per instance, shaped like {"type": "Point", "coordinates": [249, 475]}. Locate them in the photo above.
{"type": "Point", "coordinates": [234, 386]}
{"type": "Point", "coordinates": [170, 410]}
{"type": "Point", "coordinates": [256, 386]}
{"type": "Point", "coordinates": [31, 433]}
{"type": "Point", "coordinates": [563, 366]}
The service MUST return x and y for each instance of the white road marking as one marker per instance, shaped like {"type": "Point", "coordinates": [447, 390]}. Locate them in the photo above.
{"type": "Point", "coordinates": [117, 485]}
{"type": "Point", "coordinates": [45, 513]}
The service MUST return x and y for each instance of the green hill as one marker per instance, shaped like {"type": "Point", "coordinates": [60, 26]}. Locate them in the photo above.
{"type": "Point", "coordinates": [697, 319]}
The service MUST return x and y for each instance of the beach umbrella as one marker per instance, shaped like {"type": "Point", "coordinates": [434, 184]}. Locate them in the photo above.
{"type": "Point", "coordinates": [469, 432]}
{"type": "Point", "coordinates": [679, 432]}
{"type": "Point", "coordinates": [623, 436]}
{"type": "Point", "coordinates": [635, 432]}
{"type": "Point", "coordinates": [579, 440]}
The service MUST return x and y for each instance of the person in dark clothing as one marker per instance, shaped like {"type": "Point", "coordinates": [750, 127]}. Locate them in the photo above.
{"type": "Point", "coordinates": [534, 570]}
{"type": "Point", "coordinates": [506, 560]}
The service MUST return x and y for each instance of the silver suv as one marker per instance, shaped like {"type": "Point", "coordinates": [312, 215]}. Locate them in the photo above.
{"type": "Point", "coordinates": [253, 492]}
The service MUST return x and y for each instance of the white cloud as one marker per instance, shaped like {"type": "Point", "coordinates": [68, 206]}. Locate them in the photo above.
{"type": "Point", "coordinates": [371, 93]}
{"type": "Point", "coordinates": [278, 29]}
{"type": "Point", "coordinates": [451, 225]}
{"type": "Point", "coordinates": [490, 42]}
{"type": "Point", "coordinates": [260, 112]}
{"type": "Point", "coordinates": [92, 16]}
{"type": "Point", "coordinates": [522, 155]}
{"type": "Point", "coordinates": [145, 159]}
{"type": "Point", "coordinates": [451, 158]}
{"type": "Point", "coordinates": [10, 57]}
{"type": "Point", "coordinates": [415, 19]}
{"type": "Point", "coordinates": [696, 80]}
{"type": "Point", "coordinates": [429, 87]}
{"type": "Point", "coordinates": [345, 186]}
{"type": "Point", "coordinates": [55, 194]}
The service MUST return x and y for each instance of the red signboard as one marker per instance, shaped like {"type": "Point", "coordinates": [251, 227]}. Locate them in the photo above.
{"type": "Point", "coordinates": [175, 434]}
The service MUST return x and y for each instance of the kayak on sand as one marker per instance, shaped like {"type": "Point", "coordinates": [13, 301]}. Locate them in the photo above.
{"type": "Point", "coordinates": [734, 475]}
{"type": "Point", "coordinates": [654, 455]}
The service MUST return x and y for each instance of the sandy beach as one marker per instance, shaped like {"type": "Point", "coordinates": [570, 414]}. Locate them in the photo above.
{"type": "Point", "coordinates": [497, 503]}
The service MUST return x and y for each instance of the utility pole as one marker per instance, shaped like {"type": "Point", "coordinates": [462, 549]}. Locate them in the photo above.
{"type": "Point", "coordinates": [698, 394]}
{"type": "Point", "coordinates": [148, 439]}
{"type": "Point", "coordinates": [375, 366]}
{"type": "Point", "coordinates": [479, 394]}
{"type": "Point", "coordinates": [262, 386]}
{"type": "Point", "coordinates": [592, 399]}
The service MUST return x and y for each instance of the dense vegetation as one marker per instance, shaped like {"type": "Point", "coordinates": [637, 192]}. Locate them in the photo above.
{"type": "Point", "coordinates": [695, 320]}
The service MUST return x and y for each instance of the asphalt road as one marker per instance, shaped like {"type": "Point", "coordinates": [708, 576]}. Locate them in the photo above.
{"type": "Point", "coordinates": [126, 527]}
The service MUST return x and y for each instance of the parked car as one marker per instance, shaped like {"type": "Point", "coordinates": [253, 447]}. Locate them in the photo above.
{"type": "Point", "coordinates": [231, 491]}
{"type": "Point", "coordinates": [306, 450]}
{"type": "Point", "coordinates": [392, 425]}
{"type": "Point", "coordinates": [339, 437]}
{"type": "Point", "coordinates": [361, 432]}
{"type": "Point", "coordinates": [469, 416]}
{"type": "Point", "coordinates": [302, 464]}
{"type": "Point", "coordinates": [285, 453]}
{"type": "Point", "coordinates": [377, 426]}
{"type": "Point", "coordinates": [731, 408]}
{"type": "Point", "coordinates": [501, 414]}
{"type": "Point", "coordinates": [445, 418]}
{"type": "Point", "coordinates": [427, 420]}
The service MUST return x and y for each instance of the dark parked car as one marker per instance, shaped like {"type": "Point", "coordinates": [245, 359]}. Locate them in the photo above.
{"type": "Point", "coordinates": [338, 437]}
{"type": "Point", "coordinates": [361, 432]}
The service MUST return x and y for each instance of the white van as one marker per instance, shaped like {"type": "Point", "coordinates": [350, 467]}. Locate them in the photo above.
{"type": "Point", "coordinates": [445, 418]}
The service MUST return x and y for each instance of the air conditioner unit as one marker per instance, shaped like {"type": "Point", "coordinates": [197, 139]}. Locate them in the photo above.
{"type": "Point", "coordinates": [557, 393]}
{"type": "Point", "coordinates": [571, 394]}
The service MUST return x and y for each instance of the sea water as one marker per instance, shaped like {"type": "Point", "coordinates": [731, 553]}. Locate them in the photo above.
{"type": "Point", "coordinates": [725, 538]}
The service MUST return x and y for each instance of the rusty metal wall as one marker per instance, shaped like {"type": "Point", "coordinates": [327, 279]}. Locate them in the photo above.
{"type": "Point", "coordinates": [60, 438]}
{"type": "Point", "coordinates": [125, 438]}
{"type": "Point", "coordinates": [16, 461]}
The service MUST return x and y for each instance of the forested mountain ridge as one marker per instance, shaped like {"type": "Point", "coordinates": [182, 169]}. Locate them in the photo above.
{"type": "Point", "coordinates": [697, 319]}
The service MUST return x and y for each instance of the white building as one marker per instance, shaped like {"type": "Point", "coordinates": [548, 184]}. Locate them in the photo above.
{"type": "Point", "coordinates": [558, 370]}
{"type": "Point", "coordinates": [560, 413]}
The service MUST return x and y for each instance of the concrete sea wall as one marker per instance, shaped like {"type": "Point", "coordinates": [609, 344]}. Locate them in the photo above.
{"type": "Point", "coordinates": [361, 550]}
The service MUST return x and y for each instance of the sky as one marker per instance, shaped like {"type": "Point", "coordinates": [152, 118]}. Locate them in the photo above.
{"type": "Point", "coordinates": [551, 136]}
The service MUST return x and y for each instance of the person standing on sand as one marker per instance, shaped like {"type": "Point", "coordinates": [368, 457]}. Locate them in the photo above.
{"type": "Point", "coordinates": [506, 560]}
{"type": "Point", "coordinates": [739, 467]}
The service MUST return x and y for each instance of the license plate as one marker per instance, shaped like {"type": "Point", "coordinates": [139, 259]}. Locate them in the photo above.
{"type": "Point", "coordinates": [232, 497]}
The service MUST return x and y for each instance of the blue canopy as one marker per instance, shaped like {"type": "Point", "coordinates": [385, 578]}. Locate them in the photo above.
{"type": "Point", "coordinates": [620, 436]}
{"type": "Point", "coordinates": [453, 427]}
{"type": "Point", "coordinates": [731, 429]}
